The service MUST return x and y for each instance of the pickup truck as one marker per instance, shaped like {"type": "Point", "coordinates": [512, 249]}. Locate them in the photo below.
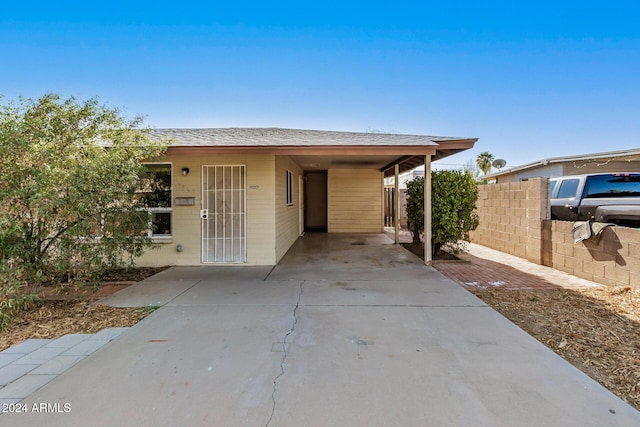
{"type": "Point", "coordinates": [602, 197]}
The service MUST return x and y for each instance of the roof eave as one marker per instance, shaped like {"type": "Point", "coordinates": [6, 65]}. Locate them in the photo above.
{"type": "Point", "coordinates": [445, 149]}
{"type": "Point", "coordinates": [309, 149]}
{"type": "Point", "coordinates": [450, 147]}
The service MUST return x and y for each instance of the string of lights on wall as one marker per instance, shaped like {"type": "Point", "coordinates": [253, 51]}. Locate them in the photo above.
{"type": "Point", "coordinates": [604, 162]}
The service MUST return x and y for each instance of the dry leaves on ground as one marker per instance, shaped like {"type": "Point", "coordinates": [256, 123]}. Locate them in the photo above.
{"type": "Point", "coordinates": [61, 311]}
{"type": "Point", "coordinates": [597, 330]}
{"type": "Point", "coordinates": [53, 319]}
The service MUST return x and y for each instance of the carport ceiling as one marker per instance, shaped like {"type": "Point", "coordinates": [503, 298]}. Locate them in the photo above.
{"type": "Point", "coordinates": [320, 162]}
{"type": "Point", "coordinates": [384, 163]}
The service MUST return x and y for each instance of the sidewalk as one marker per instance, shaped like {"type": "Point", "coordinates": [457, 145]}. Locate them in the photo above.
{"type": "Point", "coordinates": [27, 366]}
{"type": "Point", "coordinates": [481, 268]}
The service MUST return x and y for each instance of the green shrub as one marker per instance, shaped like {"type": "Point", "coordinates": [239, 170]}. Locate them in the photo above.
{"type": "Point", "coordinates": [415, 208]}
{"type": "Point", "coordinates": [453, 204]}
{"type": "Point", "coordinates": [69, 174]}
{"type": "Point", "coordinates": [13, 297]}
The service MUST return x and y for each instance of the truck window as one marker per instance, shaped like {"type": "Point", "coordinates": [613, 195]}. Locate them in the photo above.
{"type": "Point", "coordinates": [568, 188]}
{"type": "Point", "coordinates": [552, 186]}
{"type": "Point", "coordinates": [613, 185]}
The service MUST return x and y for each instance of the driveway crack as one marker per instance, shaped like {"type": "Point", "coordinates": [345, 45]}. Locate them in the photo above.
{"type": "Point", "coordinates": [284, 355]}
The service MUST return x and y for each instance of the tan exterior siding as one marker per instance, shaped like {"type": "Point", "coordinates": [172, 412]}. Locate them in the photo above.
{"type": "Point", "coordinates": [354, 201]}
{"type": "Point", "coordinates": [272, 225]}
{"type": "Point", "coordinates": [287, 231]}
{"type": "Point", "coordinates": [260, 228]}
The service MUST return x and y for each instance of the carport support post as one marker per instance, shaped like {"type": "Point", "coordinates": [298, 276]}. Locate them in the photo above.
{"type": "Point", "coordinates": [427, 210]}
{"type": "Point", "coordinates": [396, 204]}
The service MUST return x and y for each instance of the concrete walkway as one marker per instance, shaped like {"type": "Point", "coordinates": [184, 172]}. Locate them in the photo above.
{"type": "Point", "coordinates": [486, 268]}
{"type": "Point", "coordinates": [346, 331]}
{"type": "Point", "coordinates": [481, 267]}
{"type": "Point", "coordinates": [27, 366]}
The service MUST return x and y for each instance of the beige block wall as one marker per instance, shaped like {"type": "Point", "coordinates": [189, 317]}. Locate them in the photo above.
{"type": "Point", "coordinates": [514, 219]}
{"type": "Point", "coordinates": [511, 216]}
{"type": "Point", "coordinates": [354, 201]}
{"type": "Point", "coordinates": [613, 260]}
{"type": "Point", "coordinates": [260, 226]}
{"type": "Point", "coordinates": [287, 216]}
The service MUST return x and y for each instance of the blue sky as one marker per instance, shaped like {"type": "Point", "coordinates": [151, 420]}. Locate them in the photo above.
{"type": "Point", "coordinates": [535, 80]}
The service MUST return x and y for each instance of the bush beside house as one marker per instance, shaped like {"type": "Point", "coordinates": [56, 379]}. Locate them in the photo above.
{"type": "Point", "coordinates": [71, 202]}
{"type": "Point", "coordinates": [453, 212]}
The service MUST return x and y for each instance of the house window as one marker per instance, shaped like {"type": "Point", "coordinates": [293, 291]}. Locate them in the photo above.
{"type": "Point", "coordinates": [155, 197]}
{"type": "Point", "coordinates": [289, 188]}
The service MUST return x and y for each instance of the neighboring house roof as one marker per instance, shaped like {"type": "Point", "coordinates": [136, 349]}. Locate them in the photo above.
{"type": "Point", "coordinates": [609, 155]}
{"type": "Point", "coordinates": [403, 178]}
{"type": "Point", "coordinates": [407, 150]}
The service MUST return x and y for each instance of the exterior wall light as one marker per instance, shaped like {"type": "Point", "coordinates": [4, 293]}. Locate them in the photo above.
{"type": "Point", "coordinates": [185, 171]}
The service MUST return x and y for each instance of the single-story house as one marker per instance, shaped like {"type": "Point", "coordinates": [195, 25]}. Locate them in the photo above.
{"type": "Point", "coordinates": [612, 161]}
{"type": "Point", "coordinates": [243, 196]}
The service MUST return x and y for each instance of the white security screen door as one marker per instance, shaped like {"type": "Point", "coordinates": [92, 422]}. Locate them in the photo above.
{"type": "Point", "coordinates": [223, 214]}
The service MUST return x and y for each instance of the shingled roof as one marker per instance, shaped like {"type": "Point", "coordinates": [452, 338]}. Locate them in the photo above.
{"type": "Point", "coordinates": [408, 151]}
{"type": "Point", "coordinates": [270, 137]}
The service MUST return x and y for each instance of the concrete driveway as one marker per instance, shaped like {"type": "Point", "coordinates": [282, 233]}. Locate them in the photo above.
{"type": "Point", "coordinates": [346, 331]}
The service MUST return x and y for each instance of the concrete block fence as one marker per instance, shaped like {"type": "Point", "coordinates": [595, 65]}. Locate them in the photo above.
{"type": "Point", "coordinates": [515, 219]}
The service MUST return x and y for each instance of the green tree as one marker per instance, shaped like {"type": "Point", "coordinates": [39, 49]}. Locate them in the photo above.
{"type": "Point", "coordinates": [453, 208]}
{"type": "Point", "coordinates": [473, 169]}
{"type": "Point", "coordinates": [484, 161]}
{"type": "Point", "coordinates": [69, 176]}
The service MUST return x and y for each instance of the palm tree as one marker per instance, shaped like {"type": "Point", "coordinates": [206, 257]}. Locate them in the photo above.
{"type": "Point", "coordinates": [484, 161]}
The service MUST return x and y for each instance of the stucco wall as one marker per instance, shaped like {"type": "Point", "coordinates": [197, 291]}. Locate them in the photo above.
{"type": "Point", "coordinates": [287, 216]}
{"type": "Point", "coordinates": [548, 171]}
{"type": "Point", "coordinates": [354, 201]}
{"type": "Point", "coordinates": [602, 166]}
{"type": "Point", "coordinates": [571, 168]}
{"type": "Point", "coordinates": [260, 225]}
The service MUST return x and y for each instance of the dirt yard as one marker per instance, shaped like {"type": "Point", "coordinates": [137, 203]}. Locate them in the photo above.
{"type": "Point", "coordinates": [58, 311]}
{"type": "Point", "coordinates": [53, 319]}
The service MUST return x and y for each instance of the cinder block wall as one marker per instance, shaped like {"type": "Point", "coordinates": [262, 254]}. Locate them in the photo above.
{"type": "Point", "coordinates": [614, 259]}
{"type": "Point", "coordinates": [514, 218]}
{"type": "Point", "coordinates": [511, 216]}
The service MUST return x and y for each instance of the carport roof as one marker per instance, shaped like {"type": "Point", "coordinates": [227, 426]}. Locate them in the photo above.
{"type": "Point", "coordinates": [408, 150]}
